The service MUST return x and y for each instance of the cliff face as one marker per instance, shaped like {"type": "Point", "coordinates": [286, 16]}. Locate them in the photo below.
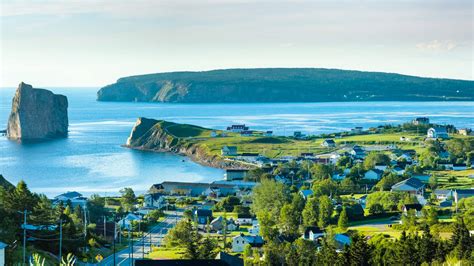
{"type": "Point", "coordinates": [37, 114]}
{"type": "Point", "coordinates": [284, 85]}
{"type": "Point", "coordinates": [153, 135]}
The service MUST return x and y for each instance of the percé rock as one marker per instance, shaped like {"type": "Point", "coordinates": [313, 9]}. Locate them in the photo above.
{"type": "Point", "coordinates": [37, 114]}
{"type": "Point", "coordinates": [154, 135]}
{"type": "Point", "coordinates": [284, 85]}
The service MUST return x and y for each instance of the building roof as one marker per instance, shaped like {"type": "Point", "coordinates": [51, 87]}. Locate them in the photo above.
{"type": "Point", "coordinates": [442, 191]}
{"type": "Point", "coordinates": [230, 259]}
{"type": "Point", "coordinates": [202, 212]}
{"type": "Point", "coordinates": [70, 195]}
{"type": "Point", "coordinates": [3, 245]}
{"type": "Point", "coordinates": [465, 192]}
{"type": "Point", "coordinates": [330, 141]}
{"type": "Point", "coordinates": [314, 229]}
{"type": "Point", "coordinates": [306, 192]}
{"type": "Point", "coordinates": [254, 241]}
{"type": "Point", "coordinates": [440, 129]}
{"type": "Point", "coordinates": [412, 182]}
{"type": "Point", "coordinates": [415, 206]}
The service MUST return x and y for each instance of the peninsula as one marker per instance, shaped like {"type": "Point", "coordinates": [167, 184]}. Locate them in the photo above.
{"type": "Point", "coordinates": [283, 85]}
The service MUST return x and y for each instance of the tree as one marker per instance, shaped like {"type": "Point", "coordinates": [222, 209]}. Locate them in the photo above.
{"type": "Point", "coordinates": [208, 248]}
{"type": "Point", "coordinates": [343, 221]}
{"type": "Point", "coordinates": [269, 196]}
{"type": "Point", "coordinates": [461, 241]}
{"type": "Point", "coordinates": [374, 158]}
{"type": "Point", "coordinates": [128, 198]}
{"type": "Point", "coordinates": [325, 211]}
{"type": "Point", "coordinates": [376, 209]}
{"type": "Point", "coordinates": [326, 187]}
{"type": "Point", "coordinates": [311, 212]}
{"type": "Point", "coordinates": [359, 251]}
{"type": "Point", "coordinates": [388, 181]}
{"type": "Point", "coordinates": [430, 214]}
{"type": "Point", "coordinates": [228, 203]}
{"type": "Point", "coordinates": [321, 171]}
{"type": "Point", "coordinates": [427, 245]}
{"type": "Point", "coordinates": [289, 220]}
{"type": "Point", "coordinates": [433, 182]}
{"type": "Point", "coordinates": [181, 234]}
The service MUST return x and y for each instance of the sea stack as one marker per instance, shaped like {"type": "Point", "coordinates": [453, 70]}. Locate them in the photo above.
{"type": "Point", "coordinates": [37, 114]}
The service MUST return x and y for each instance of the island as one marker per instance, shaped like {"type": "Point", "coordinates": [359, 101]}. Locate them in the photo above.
{"type": "Point", "coordinates": [37, 114]}
{"type": "Point", "coordinates": [267, 85]}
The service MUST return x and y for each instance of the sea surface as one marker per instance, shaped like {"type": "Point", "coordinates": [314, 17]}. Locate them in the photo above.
{"type": "Point", "coordinates": [92, 160]}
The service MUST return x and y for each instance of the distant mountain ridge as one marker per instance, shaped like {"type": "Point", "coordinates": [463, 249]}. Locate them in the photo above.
{"type": "Point", "coordinates": [284, 85]}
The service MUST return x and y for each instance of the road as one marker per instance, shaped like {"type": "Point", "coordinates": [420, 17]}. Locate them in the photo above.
{"type": "Point", "coordinates": [143, 245]}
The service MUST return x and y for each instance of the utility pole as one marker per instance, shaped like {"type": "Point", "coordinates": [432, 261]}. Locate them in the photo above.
{"type": "Point", "coordinates": [115, 232]}
{"type": "Point", "coordinates": [24, 237]}
{"type": "Point", "coordinates": [105, 232]}
{"type": "Point", "coordinates": [60, 239]}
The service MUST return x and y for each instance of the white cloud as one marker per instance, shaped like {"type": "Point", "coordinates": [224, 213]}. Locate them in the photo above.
{"type": "Point", "coordinates": [437, 45]}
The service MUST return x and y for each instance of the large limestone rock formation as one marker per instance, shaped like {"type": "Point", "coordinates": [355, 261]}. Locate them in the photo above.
{"type": "Point", "coordinates": [37, 114]}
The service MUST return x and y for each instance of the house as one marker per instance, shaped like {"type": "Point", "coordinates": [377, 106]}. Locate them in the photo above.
{"type": "Point", "coordinates": [244, 219]}
{"type": "Point", "coordinates": [446, 166]}
{"type": "Point", "coordinates": [373, 174]}
{"type": "Point", "coordinates": [298, 135]}
{"type": "Point", "coordinates": [421, 121]}
{"type": "Point", "coordinates": [255, 229]}
{"type": "Point", "coordinates": [410, 185]}
{"type": "Point", "coordinates": [3, 246]}
{"type": "Point", "coordinates": [459, 167]}
{"type": "Point", "coordinates": [239, 242]}
{"type": "Point", "coordinates": [398, 170]}
{"type": "Point", "coordinates": [437, 133]}
{"type": "Point", "coordinates": [192, 189]}
{"type": "Point", "coordinates": [268, 133]}
{"type": "Point", "coordinates": [235, 174]}
{"type": "Point", "coordinates": [462, 193]}
{"type": "Point", "coordinates": [381, 167]}
{"type": "Point", "coordinates": [357, 152]}
{"type": "Point", "coordinates": [328, 143]}
{"type": "Point", "coordinates": [217, 224]}
{"type": "Point", "coordinates": [214, 134]}
{"type": "Point", "coordinates": [232, 225]}
{"type": "Point", "coordinates": [357, 130]}
{"type": "Point", "coordinates": [341, 240]}
{"type": "Point", "coordinates": [307, 154]}
{"type": "Point", "coordinates": [127, 221]}
{"type": "Point", "coordinates": [246, 133]}
{"type": "Point", "coordinates": [422, 178]}
{"type": "Point", "coordinates": [237, 128]}
{"type": "Point", "coordinates": [312, 233]}
{"type": "Point", "coordinates": [203, 216]}
{"type": "Point", "coordinates": [338, 177]}
{"type": "Point", "coordinates": [416, 207]}
{"type": "Point", "coordinates": [74, 197]}
{"type": "Point", "coordinates": [154, 200]}
{"type": "Point", "coordinates": [229, 151]}
{"type": "Point", "coordinates": [446, 204]}
{"type": "Point", "coordinates": [464, 131]}
{"type": "Point", "coordinates": [229, 260]}
{"type": "Point", "coordinates": [443, 194]}
{"type": "Point", "coordinates": [405, 157]}
{"type": "Point", "coordinates": [305, 193]}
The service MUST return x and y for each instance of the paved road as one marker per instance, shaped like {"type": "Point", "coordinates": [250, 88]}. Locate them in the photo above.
{"type": "Point", "coordinates": [142, 246]}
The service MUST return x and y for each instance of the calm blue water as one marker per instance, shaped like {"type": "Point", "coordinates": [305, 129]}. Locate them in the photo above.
{"type": "Point", "coordinates": [92, 160]}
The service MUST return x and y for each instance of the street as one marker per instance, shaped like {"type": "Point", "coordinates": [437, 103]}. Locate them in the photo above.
{"type": "Point", "coordinates": [142, 246]}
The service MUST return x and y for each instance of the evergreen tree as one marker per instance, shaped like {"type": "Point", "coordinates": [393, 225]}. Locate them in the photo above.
{"type": "Point", "coordinates": [343, 221]}
{"type": "Point", "coordinates": [461, 241]}
{"type": "Point", "coordinates": [327, 255]}
{"type": "Point", "coordinates": [208, 248]}
{"type": "Point", "coordinates": [428, 246]}
{"type": "Point", "coordinates": [325, 211]}
{"type": "Point", "coordinates": [359, 251]}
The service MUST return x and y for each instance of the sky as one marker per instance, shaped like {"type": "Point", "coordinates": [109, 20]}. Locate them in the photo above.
{"type": "Point", "coordinates": [94, 42]}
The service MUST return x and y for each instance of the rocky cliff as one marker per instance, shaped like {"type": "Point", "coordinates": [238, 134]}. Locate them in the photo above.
{"type": "Point", "coordinates": [156, 135]}
{"type": "Point", "coordinates": [284, 85]}
{"type": "Point", "coordinates": [37, 114]}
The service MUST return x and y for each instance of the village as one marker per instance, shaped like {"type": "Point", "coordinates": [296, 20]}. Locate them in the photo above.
{"type": "Point", "coordinates": [379, 187]}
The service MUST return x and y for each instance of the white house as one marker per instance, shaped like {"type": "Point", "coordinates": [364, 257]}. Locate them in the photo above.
{"type": "Point", "coordinates": [443, 194]}
{"type": "Point", "coordinates": [437, 133]}
{"type": "Point", "coordinates": [416, 207]}
{"type": "Point", "coordinates": [410, 185]}
{"type": "Point", "coordinates": [373, 174]}
{"type": "Point", "coordinates": [305, 193]}
{"type": "Point", "coordinates": [255, 229]}
{"type": "Point", "coordinates": [237, 128]}
{"type": "Point", "coordinates": [398, 170]}
{"type": "Point", "coordinates": [3, 246]}
{"type": "Point", "coordinates": [239, 242]}
{"type": "Point", "coordinates": [312, 233]}
{"type": "Point", "coordinates": [329, 143]}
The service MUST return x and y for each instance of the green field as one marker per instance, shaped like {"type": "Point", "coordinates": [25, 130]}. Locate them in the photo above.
{"type": "Point", "coordinates": [462, 178]}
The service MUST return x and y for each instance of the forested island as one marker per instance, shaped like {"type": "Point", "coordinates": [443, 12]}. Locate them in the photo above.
{"type": "Point", "coordinates": [283, 85]}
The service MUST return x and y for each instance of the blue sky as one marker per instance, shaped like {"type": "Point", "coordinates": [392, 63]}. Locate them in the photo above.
{"type": "Point", "coordinates": [93, 43]}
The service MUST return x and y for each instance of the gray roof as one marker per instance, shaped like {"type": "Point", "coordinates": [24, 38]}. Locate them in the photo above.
{"type": "Point", "coordinates": [465, 192]}
{"type": "Point", "coordinates": [440, 129]}
{"type": "Point", "coordinates": [412, 182]}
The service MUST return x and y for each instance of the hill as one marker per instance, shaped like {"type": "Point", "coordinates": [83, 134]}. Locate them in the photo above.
{"type": "Point", "coordinates": [5, 184]}
{"type": "Point", "coordinates": [284, 85]}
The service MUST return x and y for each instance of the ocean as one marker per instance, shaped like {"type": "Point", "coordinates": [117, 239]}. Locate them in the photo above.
{"type": "Point", "coordinates": [92, 160]}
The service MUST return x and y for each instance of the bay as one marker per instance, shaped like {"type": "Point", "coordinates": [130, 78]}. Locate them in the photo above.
{"type": "Point", "coordinates": [92, 160]}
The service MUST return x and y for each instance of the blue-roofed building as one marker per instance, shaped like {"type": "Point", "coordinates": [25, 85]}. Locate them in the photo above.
{"type": "Point", "coordinates": [305, 193]}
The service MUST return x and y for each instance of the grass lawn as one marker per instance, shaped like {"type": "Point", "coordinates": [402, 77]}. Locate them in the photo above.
{"type": "Point", "coordinates": [462, 178]}
{"type": "Point", "coordinates": [232, 215]}
{"type": "Point", "coordinates": [166, 253]}
{"type": "Point", "coordinates": [369, 230]}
